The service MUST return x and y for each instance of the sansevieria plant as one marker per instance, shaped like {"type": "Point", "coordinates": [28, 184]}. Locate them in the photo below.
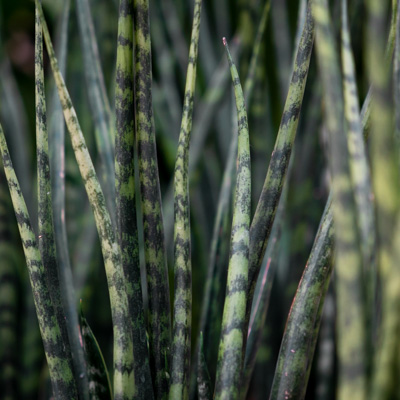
{"type": "Point", "coordinates": [176, 241]}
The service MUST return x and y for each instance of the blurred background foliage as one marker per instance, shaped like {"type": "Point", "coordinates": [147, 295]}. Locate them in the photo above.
{"type": "Point", "coordinates": [306, 191]}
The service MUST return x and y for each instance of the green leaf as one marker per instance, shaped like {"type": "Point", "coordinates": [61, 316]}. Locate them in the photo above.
{"type": "Point", "coordinates": [230, 354]}
{"type": "Point", "coordinates": [127, 231]}
{"type": "Point", "coordinates": [61, 376]}
{"type": "Point", "coordinates": [123, 350]}
{"type": "Point", "coordinates": [181, 337]}
{"type": "Point", "coordinates": [159, 328]}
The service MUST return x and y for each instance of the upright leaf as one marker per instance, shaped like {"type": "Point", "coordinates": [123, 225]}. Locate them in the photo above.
{"type": "Point", "coordinates": [181, 338]}
{"type": "Point", "coordinates": [127, 231]}
{"type": "Point", "coordinates": [123, 349]}
{"type": "Point", "coordinates": [351, 326]}
{"type": "Point", "coordinates": [263, 219]}
{"type": "Point", "coordinates": [230, 354]}
{"type": "Point", "coordinates": [46, 240]}
{"type": "Point", "coordinates": [153, 229]}
{"type": "Point", "coordinates": [385, 180]}
{"type": "Point", "coordinates": [302, 326]}
{"type": "Point", "coordinates": [61, 376]}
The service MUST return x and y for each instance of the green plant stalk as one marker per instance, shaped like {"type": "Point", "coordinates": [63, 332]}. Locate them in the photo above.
{"type": "Point", "coordinates": [202, 125]}
{"type": "Point", "coordinates": [310, 295]}
{"type": "Point", "coordinates": [301, 332]}
{"type": "Point", "coordinates": [351, 324]}
{"type": "Point", "coordinates": [262, 296]}
{"type": "Point", "coordinates": [61, 376]}
{"type": "Point", "coordinates": [301, 19]}
{"type": "Point", "coordinates": [216, 276]}
{"type": "Point", "coordinates": [46, 239]}
{"type": "Point", "coordinates": [98, 101]}
{"type": "Point", "coordinates": [265, 212]}
{"type": "Point", "coordinates": [204, 390]}
{"type": "Point", "coordinates": [8, 299]}
{"type": "Point", "coordinates": [57, 171]}
{"type": "Point", "coordinates": [359, 168]}
{"type": "Point", "coordinates": [153, 230]}
{"type": "Point", "coordinates": [182, 326]}
{"type": "Point", "coordinates": [123, 346]}
{"type": "Point", "coordinates": [230, 354]}
{"type": "Point", "coordinates": [126, 200]}
{"type": "Point", "coordinates": [99, 380]}
{"type": "Point", "coordinates": [385, 176]}
{"type": "Point", "coordinates": [220, 225]}
{"type": "Point", "coordinates": [211, 309]}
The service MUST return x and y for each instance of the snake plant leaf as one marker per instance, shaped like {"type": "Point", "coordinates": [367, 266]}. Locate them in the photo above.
{"type": "Point", "coordinates": [46, 237]}
{"type": "Point", "coordinates": [216, 274]}
{"type": "Point", "coordinates": [262, 296]}
{"type": "Point", "coordinates": [60, 370]}
{"type": "Point", "coordinates": [202, 124]}
{"type": "Point", "coordinates": [351, 324]}
{"type": "Point", "coordinates": [123, 350]}
{"type": "Point", "coordinates": [230, 354]}
{"type": "Point", "coordinates": [301, 332]}
{"type": "Point", "coordinates": [99, 380]}
{"type": "Point", "coordinates": [127, 231]}
{"type": "Point", "coordinates": [159, 328]}
{"type": "Point", "coordinates": [262, 222]}
{"type": "Point", "coordinates": [385, 179]}
{"type": "Point", "coordinates": [310, 295]}
{"type": "Point", "coordinates": [182, 326]}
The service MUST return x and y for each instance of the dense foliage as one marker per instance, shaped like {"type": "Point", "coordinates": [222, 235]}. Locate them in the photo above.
{"type": "Point", "coordinates": [207, 199]}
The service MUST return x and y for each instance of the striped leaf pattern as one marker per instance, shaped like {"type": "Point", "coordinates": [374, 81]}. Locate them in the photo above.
{"type": "Point", "coordinates": [126, 197]}
{"type": "Point", "coordinates": [123, 346]}
{"type": "Point", "coordinates": [153, 229]}
{"type": "Point", "coordinates": [261, 224]}
{"type": "Point", "coordinates": [230, 353]}
{"type": "Point", "coordinates": [348, 263]}
{"type": "Point", "coordinates": [182, 324]}
{"type": "Point", "coordinates": [61, 375]}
